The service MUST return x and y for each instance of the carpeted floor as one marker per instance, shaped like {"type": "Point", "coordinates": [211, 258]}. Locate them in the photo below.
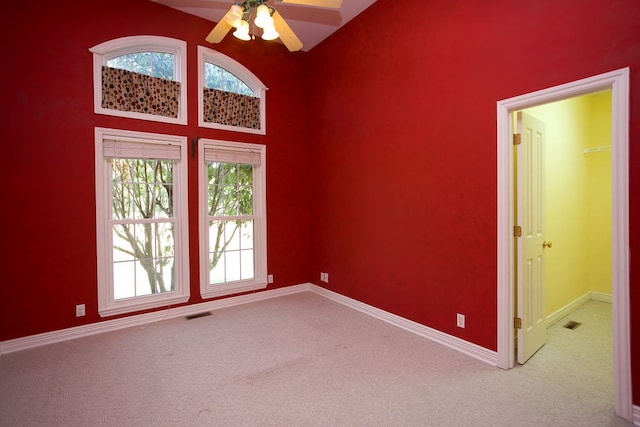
{"type": "Point", "coordinates": [303, 360]}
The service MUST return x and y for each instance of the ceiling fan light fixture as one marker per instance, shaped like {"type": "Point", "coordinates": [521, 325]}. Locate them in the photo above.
{"type": "Point", "coordinates": [234, 16]}
{"type": "Point", "coordinates": [270, 33]}
{"type": "Point", "coordinates": [242, 32]}
{"type": "Point", "coordinates": [265, 17]}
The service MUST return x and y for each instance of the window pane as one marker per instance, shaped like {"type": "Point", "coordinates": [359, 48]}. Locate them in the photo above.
{"type": "Point", "coordinates": [246, 264]}
{"type": "Point", "coordinates": [231, 250]}
{"type": "Point", "coordinates": [246, 235]}
{"type": "Point", "coordinates": [164, 240]}
{"type": "Point", "coordinates": [231, 254]}
{"type": "Point", "coordinates": [145, 275]}
{"type": "Point", "coordinates": [166, 268]}
{"type": "Point", "coordinates": [216, 272]}
{"type": "Point", "coordinates": [143, 259]}
{"type": "Point", "coordinates": [230, 189]}
{"type": "Point", "coordinates": [122, 200]}
{"type": "Point", "coordinates": [232, 266]}
{"type": "Point", "coordinates": [124, 280]}
{"type": "Point", "coordinates": [154, 64]}
{"type": "Point", "coordinates": [122, 249]}
{"type": "Point", "coordinates": [142, 189]}
{"type": "Point", "coordinates": [232, 235]}
{"type": "Point", "coordinates": [218, 78]}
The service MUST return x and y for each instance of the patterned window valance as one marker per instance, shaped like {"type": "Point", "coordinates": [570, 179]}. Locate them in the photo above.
{"type": "Point", "coordinates": [231, 109]}
{"type": "Point", "coordinates": [128, 91]}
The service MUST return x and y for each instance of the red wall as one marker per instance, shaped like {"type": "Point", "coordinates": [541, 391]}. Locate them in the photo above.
{"type": "Point", "coordinates": [48, 262]}
{"type": "Point", "coordinates": [403, 145]}
{"type": "Point", "coordinates": [391, 187]}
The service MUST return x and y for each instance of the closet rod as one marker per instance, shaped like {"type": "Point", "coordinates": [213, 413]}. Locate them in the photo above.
{"type": "Point", "coordinates": [597, 149]}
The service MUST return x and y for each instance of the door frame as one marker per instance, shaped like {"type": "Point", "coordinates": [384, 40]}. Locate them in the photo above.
{"type": "Point", "coordinates": [618, 82]}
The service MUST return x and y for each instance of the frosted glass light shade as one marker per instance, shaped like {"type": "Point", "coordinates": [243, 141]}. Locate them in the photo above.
{"type": "Point", "coordinates": [243, 31]}
{"type": "Point", "coordinates": [263, 17]}
{"type": "Point", "coordinates": [234, 16]}
{"type": "Point", "coordinates": [270, 33]}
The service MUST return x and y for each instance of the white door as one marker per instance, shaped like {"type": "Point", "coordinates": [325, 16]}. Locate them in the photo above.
{"type": "Point", "coordinates": [530, 211]}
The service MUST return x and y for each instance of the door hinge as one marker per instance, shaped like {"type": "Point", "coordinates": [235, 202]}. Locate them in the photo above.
{"type": "Point", "coordinates": [517, 231]}
{"type": "Point", "coordinates": [517, 139]}
{"type": "Point", "coordinates": [517, 323]}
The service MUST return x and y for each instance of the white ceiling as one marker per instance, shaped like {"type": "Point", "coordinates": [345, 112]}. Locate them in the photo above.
{"type": "Point", "coordinates": [311, 24]}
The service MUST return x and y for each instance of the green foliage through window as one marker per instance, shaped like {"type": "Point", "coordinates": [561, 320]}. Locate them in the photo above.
{"type": "Point", "coordinates": [218, 78]}
{"type": "Point", "coordinates": [230, 211]}
{"type": "Point", "coordinates": [154, 64]}
{"type": "Point", "coordinates": [143, 231]}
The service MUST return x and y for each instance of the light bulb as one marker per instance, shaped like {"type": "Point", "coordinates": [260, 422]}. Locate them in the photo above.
{"type": "Point", "coordinates": [243, 31]}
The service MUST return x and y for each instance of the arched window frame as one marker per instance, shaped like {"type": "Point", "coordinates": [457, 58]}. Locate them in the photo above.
{"type": "Point", "coordinates": [108, 50]}
{"type": "Point", "coordinates": [240, 71]}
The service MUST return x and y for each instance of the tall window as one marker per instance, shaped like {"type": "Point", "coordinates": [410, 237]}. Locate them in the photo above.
{"type": "Point", "coordinates": [233, 247]}
{"type": "Point", "coordinates": [141, 77]}
{"type": "Point", "coordinates": [141, 201]}
{"type": "Point", "coordinates": [230, 97]}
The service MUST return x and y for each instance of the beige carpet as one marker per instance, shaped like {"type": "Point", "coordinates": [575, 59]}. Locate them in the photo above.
{"type": "Point", "coordinates": [303, 360]}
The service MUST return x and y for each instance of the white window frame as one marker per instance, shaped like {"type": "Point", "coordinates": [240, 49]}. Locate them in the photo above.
{"type": "Point", "coordinates": [107, 304]}
{"type": "Point", "coordinates": [241, 72]}
{"type": "Point", "coordinates": [259, 281]}
{"type": "Point", "coordinates": [108, 50]}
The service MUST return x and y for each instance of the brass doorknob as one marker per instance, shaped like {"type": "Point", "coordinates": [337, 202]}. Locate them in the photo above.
{"type": "Point", "coordinates": [546, 244]}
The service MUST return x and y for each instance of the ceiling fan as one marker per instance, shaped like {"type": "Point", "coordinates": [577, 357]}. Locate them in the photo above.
{"type": "Point", "coordinates": [265, 17]}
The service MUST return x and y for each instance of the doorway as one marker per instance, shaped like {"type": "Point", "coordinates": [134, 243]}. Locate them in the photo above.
{"type": "Point", "coordinates": [572, 240]}
{"type": "Point", "coordinates": [618, 82]}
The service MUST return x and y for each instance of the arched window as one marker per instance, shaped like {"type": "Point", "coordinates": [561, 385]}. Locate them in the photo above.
{"type": "Point", "coordinates": [230, 97]}
{"type": "Point", "coordinates": [141, 77]}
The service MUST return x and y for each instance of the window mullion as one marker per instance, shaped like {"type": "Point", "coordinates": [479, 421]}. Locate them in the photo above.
{"type": "Point", "coordinates": [230, 217]}
{"type": "Point", "coordinates": [144, 221]}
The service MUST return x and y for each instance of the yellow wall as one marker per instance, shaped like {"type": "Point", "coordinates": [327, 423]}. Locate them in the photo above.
{"type": "Point", "coordinates": [600, 194]}
{"type": "Point", "coordinates": [578, 198]}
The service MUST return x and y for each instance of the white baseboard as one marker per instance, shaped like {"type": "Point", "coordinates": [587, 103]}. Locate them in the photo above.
{"type": "Point", "coordinates": [470, 349]}
{"type": "Point", "coordinates": [602, 297]}
{"type": "Point", "coordinates": [568, 309]}
{"type": "Point", "coordinates": [46, 338]}
{"type": "Point", "coordinates": [576, 304]}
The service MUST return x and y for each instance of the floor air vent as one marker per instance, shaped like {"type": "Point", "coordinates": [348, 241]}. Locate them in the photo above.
{"type": "Point", "coordinates": [572, 325]}
{"type": "Point", "coordinates": [196, 316]}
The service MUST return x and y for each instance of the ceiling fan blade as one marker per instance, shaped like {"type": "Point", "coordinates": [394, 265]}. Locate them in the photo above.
{"type": "Point", "coordinates": [219, 31]}
{"type": "Point", "coordinates": [288, 37]}
{"type": "Point", "coordinates": [333, 4]}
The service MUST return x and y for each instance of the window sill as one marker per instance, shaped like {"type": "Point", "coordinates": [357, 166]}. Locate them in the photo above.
{"type": "Point", "coordinates": [141, 303]}
{"type": "Point", "coordinates": [212, 291]}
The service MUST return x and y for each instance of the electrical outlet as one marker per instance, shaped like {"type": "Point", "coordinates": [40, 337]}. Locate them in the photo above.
{"type": "Point", "coordinates": [270, 278]}
{"type": "Point", "coordinates": [324, 277]}
{"type": "Point", "coordinates": [460, 320]}
{"type": "Point", "coordinates": [80, 310]}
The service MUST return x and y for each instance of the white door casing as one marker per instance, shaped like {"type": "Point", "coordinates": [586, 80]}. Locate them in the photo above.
{"type": "Point", "coordinates": [618, 82]}
{"type": "Point", "coordinates": [532, 334]}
